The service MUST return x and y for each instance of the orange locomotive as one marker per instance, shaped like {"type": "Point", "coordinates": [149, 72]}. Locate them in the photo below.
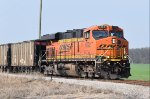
{"type": "Point", "coordinates": [97, 51]}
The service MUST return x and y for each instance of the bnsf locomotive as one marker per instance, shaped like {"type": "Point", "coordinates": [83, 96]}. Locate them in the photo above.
{"type": "Point", "coordinates": [97, 51]}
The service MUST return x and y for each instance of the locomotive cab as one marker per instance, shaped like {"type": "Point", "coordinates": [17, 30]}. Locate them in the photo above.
{"type": "Point", "coordinates": [111, 50]}
{"type": "Point", "coordinates": [109, 41]}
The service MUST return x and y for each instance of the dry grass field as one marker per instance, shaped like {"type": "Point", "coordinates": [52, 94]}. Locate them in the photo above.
{"type": "Point", "coordinates": [24, 88]}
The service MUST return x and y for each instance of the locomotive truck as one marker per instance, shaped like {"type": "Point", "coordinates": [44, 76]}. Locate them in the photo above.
{"type": "Point", "coordinates": [97, 51]}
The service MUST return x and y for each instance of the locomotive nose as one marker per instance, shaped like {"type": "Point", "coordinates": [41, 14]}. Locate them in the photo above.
{"type": "Point", "coordinates": [112, 47]}
{"type": "Point", "coordinates": [119, 47]}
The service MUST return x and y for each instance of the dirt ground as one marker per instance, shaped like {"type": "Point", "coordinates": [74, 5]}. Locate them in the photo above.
{"type": "Point", "coordinates": [24, 88]}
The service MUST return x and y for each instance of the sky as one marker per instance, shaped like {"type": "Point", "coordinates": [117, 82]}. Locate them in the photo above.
{"type": "Point", "coordinates": [19, 19]}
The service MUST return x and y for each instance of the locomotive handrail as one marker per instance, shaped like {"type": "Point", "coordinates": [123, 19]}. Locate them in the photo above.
{"type": "Point", "coordinates": [43, 55]}
{"type": "Point", "coordinates": [130, 59]}
{"type": "Point", "coordinates": [105, 52]}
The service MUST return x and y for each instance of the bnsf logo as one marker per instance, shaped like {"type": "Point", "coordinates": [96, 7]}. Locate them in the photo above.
{"type": "Point", "coordinates": [65, 47]}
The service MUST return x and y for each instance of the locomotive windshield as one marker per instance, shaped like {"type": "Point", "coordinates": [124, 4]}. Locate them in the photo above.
{"type": "Point", "coordinates": [98, 34]}
{"type": "Point", "coordinates": [117, 34]}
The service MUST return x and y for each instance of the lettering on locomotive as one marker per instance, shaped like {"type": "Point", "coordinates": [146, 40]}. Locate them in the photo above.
{"type": "Point", "coordinates": [65, 47]}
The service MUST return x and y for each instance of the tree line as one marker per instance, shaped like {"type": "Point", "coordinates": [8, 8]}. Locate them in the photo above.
{"type": "Point", "coordinates": [140, 55]}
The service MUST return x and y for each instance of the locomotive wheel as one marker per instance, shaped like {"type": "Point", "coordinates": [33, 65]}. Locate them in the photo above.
{"type": "Point", "coordinates": [0, 69]}
{"type": "Point", "coordinates": [80, 72]}
{"type": "Point", "coordinates": [27, 70]}
{"type": "Point", "coordinates": [83, 74]}
{"type": "Point", "coordinates": [104, 75]}
{"type": "Point", "coordinates": [113, 76]}
{"type": "Point", "coordinates": [5, 69]}
{"type": "Point", "coordinates": [8, 69]}
{"type": "Point", "coordinates": [91, 75]}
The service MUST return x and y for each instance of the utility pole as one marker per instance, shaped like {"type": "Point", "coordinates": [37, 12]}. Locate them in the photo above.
{"type": "Point", "coordinates": [40, 28]}
{"type": "Point", "coordinates": [40, 20]}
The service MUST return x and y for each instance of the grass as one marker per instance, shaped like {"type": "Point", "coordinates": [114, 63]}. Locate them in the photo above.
{"type": "Point", "coordinates": [30, 88]}
{"type": "Point", "coordinates": [140, 72]}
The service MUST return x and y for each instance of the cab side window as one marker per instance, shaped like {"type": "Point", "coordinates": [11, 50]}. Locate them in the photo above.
{"type": "Point", "coordinates": [87, 35]}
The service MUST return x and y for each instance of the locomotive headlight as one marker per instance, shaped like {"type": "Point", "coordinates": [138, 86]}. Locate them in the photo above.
{"type": "Point", "coordinates": [125, 56]}
{"type": "Point", "coordinates": [113, 41]}
{"type": "Point", "coordinates": [108, 63]}
{"type": "Point", "coordinates": [108, 56]}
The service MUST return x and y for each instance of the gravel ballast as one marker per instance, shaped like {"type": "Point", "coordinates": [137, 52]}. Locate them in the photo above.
{"type": "Point", "coordinates": [130, 91]}
{"type": "Point", "coordinates": [115, 90]}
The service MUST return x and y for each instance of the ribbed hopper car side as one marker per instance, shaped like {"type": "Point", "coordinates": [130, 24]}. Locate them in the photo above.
{"type": "Point", "coordinates": [5, 57]}
{"type": "Point", "coordinates": [23, 54]}
{"type": "Point", "coordinates": [22, 57]}
{"type": "Point", "coordinates": [26, 56]}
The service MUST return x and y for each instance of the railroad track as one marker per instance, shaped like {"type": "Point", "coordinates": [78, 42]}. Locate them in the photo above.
{"type": "Point", "coordinates": [132, 82]}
